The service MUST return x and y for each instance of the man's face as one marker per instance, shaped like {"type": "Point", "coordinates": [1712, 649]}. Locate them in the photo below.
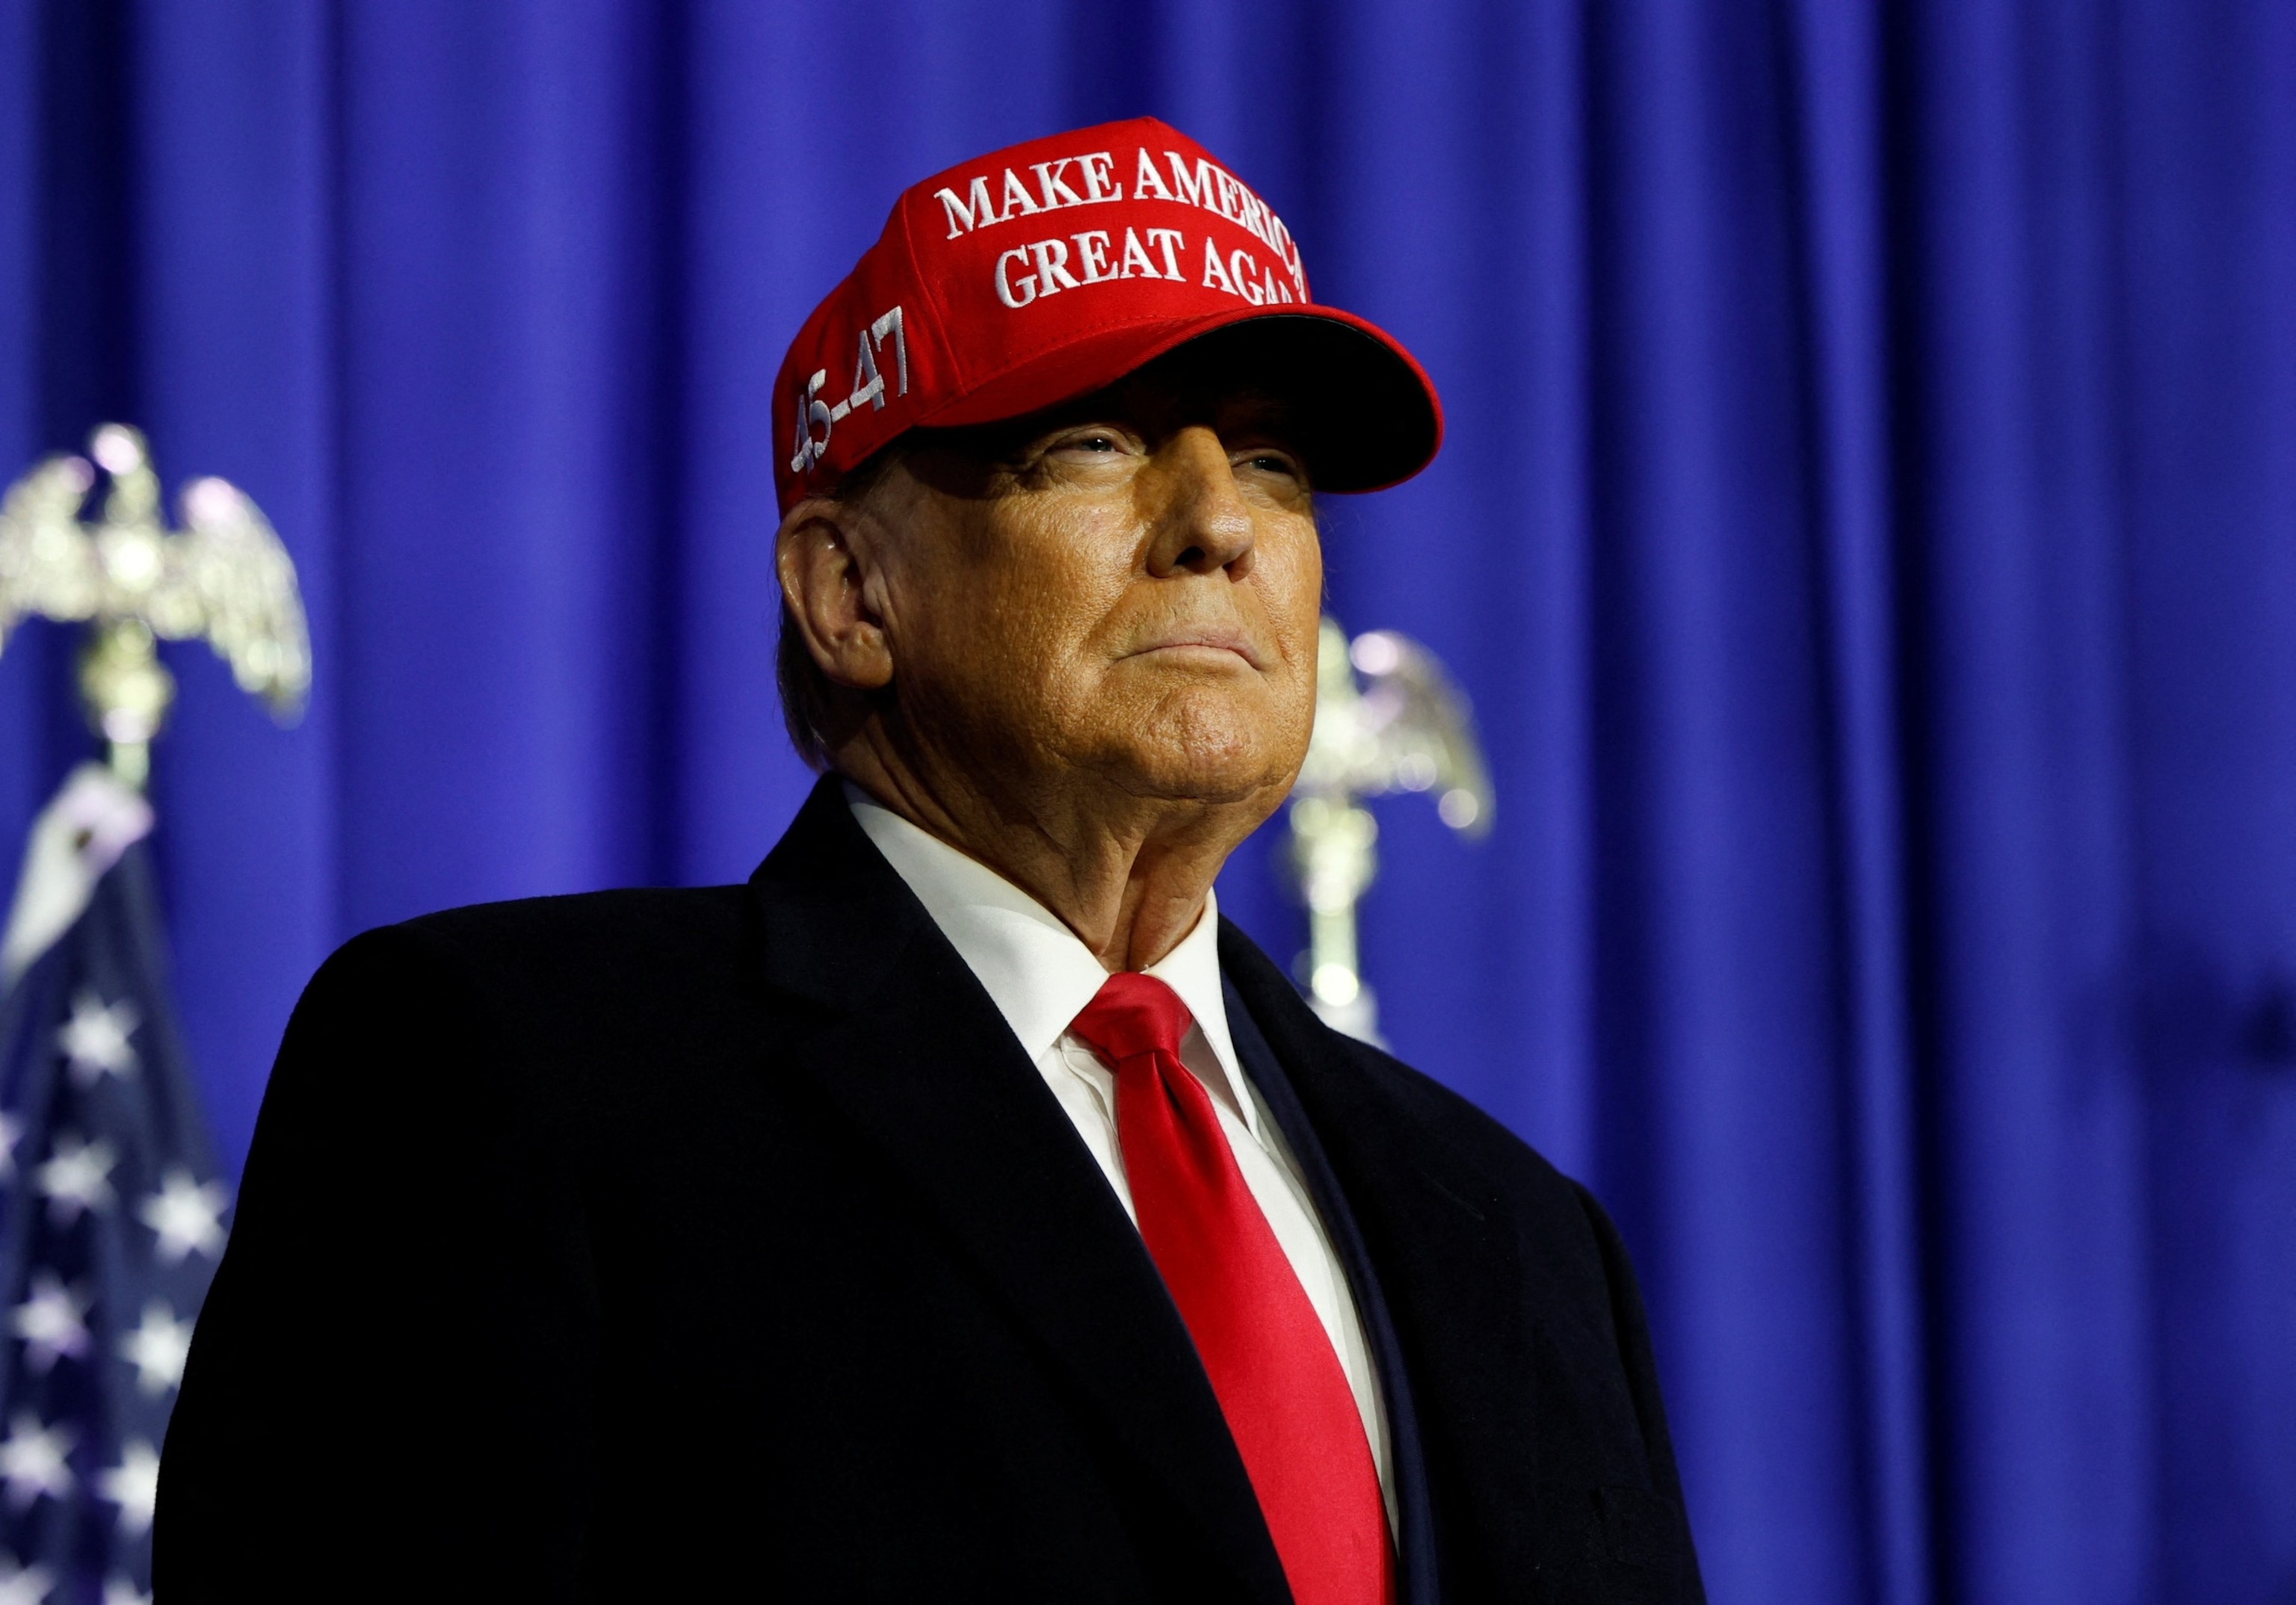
{"type": "Point", "coordinates": [1126, 588]}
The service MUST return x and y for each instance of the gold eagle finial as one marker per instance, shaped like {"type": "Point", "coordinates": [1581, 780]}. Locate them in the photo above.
{"type": "Point", "coordinates": [1387, 719]}
{"type": "Point", "coordinates": [223, 577]}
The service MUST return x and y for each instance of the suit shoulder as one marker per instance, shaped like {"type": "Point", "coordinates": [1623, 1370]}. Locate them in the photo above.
{"type": "Point", "coordinates": [1478, 1137]}
{"type": "Point", "coordinates": [569, 953]}
{"type": "Point", "coordinates": [561, 1006]}
{"type": "Point", "coordinates": [631, 918]}
{"type": "Point", "coordinates": [1368, 1087]}
{"type": "Point", "coordinates": [632, 914]}
{"type": "Point", "coordinates": [1480, 1163]}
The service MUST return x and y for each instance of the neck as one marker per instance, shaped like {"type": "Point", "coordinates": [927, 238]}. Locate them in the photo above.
{"type": "Point", "coordinates": [1127, 874]}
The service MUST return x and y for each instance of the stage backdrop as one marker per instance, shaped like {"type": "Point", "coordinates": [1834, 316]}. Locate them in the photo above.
{"type": "Point", "coordinates": [1867, 532]}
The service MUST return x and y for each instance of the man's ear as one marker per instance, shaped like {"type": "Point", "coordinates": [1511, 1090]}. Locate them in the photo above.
{"type": "Point", "coordinates": [825, 582]}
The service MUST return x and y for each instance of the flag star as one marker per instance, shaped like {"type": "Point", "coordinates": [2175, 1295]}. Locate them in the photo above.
{"type": "Point", "coordinates": [77, 1177]}
{"type": "Point", "coordinates": [156, 1348]}
{"type": "Point", "coordinates": [25, 1584]}
{"type": "Point", "coordinates": [96, 1039]}
{"type": "Point", "coordinates": [120, 1591]}
{"type": "Point", "coordinates": [32, 1462]}
{"type": "Point", "coordinates": [134, 1486]}
{"type": "Point", "coordinates": [52, 1322]}
{"type": "Point", "coordinates": [188, 1216]}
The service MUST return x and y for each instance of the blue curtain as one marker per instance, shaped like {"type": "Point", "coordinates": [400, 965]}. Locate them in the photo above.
{"type": "Point", "coordinates": [1867, 533]}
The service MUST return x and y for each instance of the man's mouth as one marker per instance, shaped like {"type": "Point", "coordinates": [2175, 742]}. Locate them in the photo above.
{"type": "Point", "coordinates": [1215, 639]}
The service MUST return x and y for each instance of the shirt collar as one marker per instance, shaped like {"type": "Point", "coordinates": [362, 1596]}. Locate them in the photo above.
{"type": "Point", "coordinates": [1036, 970]}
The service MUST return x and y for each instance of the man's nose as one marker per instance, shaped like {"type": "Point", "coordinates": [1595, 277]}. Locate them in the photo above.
{"type": "Point", "coordinates": [1201, 523]}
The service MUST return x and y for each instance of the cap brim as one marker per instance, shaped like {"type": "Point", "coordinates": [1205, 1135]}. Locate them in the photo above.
{"type": "Point", "coordinates": [1367, 412]}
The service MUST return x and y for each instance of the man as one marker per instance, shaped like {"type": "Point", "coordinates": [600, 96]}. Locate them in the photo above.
{"type": "Point", "coordinates": [958, 1210]}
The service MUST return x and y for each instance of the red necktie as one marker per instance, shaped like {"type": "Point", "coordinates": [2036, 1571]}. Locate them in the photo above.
{"type": "Point", "coordinates": [1271, 1363]}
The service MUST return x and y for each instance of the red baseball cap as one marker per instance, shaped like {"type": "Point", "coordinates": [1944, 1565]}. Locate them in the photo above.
{"type": "Point", "coordinates": [1046, 271]}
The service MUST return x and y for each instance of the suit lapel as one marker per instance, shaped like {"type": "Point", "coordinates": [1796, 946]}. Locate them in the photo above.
{"type": "Point", "coordinates": [914, 1054]}
{"type": "Point", "coordinates": [1453, 1273]}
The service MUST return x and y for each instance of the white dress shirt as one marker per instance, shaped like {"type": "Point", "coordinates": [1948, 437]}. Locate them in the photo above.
{"type": "Point", "coordinates": [1040, 976]}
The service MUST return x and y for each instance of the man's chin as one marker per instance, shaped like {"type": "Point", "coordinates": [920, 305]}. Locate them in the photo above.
{"type": "Point", "coordinates": [1212, 767]}
{"type": "Point", "coordinates": [1207, 788]}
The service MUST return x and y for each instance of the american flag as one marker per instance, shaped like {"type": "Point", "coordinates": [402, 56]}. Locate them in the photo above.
{"type": "Point", "coordinates": [112, 1213]}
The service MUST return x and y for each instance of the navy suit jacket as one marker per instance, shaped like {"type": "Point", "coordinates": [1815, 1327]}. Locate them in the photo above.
{"type": "Point", "coordinates": [724, 1244]}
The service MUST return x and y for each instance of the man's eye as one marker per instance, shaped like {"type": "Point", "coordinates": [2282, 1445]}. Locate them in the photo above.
{"type": "Point", "coordinates": [1094, 443]}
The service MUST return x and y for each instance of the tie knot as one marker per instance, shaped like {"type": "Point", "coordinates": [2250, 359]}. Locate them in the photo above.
{"type": "Point", "coordinates": [1133, 1014]}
